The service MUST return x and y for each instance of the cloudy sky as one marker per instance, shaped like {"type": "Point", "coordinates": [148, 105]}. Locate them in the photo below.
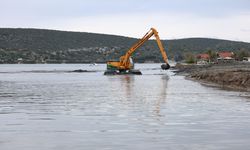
{"type": "Point", "coordinates": [174, 19]}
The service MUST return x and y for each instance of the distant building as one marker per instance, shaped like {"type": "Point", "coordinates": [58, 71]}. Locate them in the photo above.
{"type": "Point", "coordinates": [204, 57]}
{"type": "Point", "coordinates": [225, 55]}
{"type": "Point", "coordinates": [20, 60]}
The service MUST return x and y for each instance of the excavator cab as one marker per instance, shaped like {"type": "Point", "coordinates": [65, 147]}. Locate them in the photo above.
{"type": "Point", "coordinates": [131, 63]}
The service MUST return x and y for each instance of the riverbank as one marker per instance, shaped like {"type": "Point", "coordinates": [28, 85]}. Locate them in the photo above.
{"type": "Point", "coordinates": [235, 76]}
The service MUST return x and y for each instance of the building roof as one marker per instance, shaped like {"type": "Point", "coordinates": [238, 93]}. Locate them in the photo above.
{"type": "Point", "coordinates": [203, 56]}
{"type": "Point", "coordinates": [225, 54]}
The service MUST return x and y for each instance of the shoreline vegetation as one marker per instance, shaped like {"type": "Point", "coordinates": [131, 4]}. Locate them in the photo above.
{"type": "Point", "coordinates": [233, 76]}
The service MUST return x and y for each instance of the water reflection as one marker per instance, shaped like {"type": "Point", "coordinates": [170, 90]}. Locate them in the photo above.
{"type": "Point", "coordinates": [142, 92]}
{"type": "Point", "coordinates": [127, 85]}
{"type": "Point", "coordinates": [163, 94]}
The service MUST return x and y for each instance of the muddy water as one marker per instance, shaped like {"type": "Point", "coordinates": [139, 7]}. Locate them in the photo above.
{"type": "Point", "coordinates": [45, 107]}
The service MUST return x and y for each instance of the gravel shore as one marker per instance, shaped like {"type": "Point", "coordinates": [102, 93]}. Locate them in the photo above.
{"type": "Point", "coordinates": [234, 76]}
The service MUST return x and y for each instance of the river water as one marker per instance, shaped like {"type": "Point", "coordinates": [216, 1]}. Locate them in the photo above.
{"type": "Point", "coordinates": [46, 107]}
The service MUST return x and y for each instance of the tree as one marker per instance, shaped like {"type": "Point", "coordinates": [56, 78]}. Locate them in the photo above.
{"type": "Point", "coordinates": [239, 55]}
{"type": "Point", "coordinates": [189, 58]}
{"type": "Point", "coordinates": [212, 55]}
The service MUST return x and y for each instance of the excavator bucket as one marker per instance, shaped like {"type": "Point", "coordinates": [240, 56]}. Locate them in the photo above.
{"type": "Point", "coordinates": [165, 66]}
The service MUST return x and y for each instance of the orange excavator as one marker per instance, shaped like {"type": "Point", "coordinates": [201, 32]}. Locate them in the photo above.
{"type": "Point", "coordinates": [126, 65]}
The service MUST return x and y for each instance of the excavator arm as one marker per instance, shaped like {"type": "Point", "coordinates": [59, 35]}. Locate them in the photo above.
{"type": "Point", "coordinates": [125, 64]}
{"type": "Point", "coordinates": [125, 59]}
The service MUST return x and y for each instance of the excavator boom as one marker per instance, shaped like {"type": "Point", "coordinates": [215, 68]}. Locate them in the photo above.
{"type": "Point", "coordinates": [125, 64]}
{"type": "Point", "coordinates": [145, 38]}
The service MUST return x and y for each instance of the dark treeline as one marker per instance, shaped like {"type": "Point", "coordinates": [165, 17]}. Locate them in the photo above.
{"type": "Point", "coordinates": [39, 46]}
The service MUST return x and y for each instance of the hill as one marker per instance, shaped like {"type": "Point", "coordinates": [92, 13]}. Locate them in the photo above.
{"type": "Point", "coordinates": [51, 46]}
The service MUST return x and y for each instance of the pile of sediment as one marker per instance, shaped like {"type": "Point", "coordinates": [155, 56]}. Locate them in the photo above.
{"type": "Point", "coordinates": [233, 76]}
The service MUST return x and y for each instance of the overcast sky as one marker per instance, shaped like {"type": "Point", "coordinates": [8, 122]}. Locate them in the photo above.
{"type": "Point", "coordinates": [174, 19]}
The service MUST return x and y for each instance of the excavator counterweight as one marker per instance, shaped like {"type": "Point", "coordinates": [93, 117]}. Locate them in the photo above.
{"type": "Point", "coordinates": [126, 65]}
